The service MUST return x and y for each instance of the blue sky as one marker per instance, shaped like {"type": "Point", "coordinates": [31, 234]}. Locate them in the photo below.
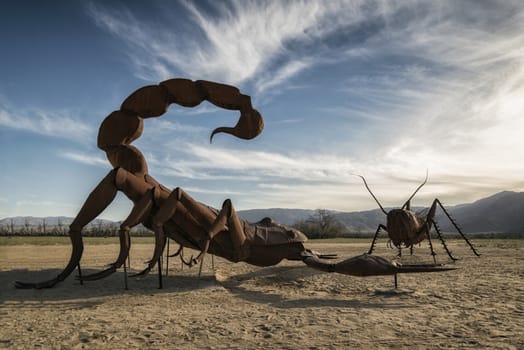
{"type": "Point", "coordinates": [386, 89]}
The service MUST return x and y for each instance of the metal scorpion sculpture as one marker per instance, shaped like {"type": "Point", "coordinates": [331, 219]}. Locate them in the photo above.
{"type": "Point", "coordinates": [174, 214]}
{"type": "Point", "coordinates": [406, 228]}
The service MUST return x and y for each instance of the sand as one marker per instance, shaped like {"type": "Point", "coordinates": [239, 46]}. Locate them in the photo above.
{"type": "Point", "coordinates": [288, 306]}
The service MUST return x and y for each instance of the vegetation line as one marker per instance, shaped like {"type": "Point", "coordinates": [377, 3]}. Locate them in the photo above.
{"type": "Point", "coordinates": [64, 240]}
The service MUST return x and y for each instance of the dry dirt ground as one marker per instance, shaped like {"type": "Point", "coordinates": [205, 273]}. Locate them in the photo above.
{"type": "Point", "coordinates": [288, 306]}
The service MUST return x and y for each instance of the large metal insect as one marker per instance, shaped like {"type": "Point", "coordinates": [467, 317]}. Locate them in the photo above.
{"type": "Point", "coordinates": [406, 228]}
{"type": "Point", "coordinates": [174, 214]}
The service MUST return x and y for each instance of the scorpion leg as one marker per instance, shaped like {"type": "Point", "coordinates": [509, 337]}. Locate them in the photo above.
{"type": "Point", "coordinates": [178, 252]}
{"type": "Point", "coordinates": [216, 223]}
{"type": "Point", "coordinates": [96, 202]}
{"type": "Point", "coordinates": [125, 244]}
{"type": "Point", "coordinates": [166, 211]}
{"type": "Point", "coordinates": [226, 216]}
{"type": "Point", "coordinates": [139, 211]}
{"type": "Point", "coordinates": [236, 232]}
{"type": "Point", "coordinates": [177, 199]}
{"type": "Point", "coordinates": [160, 243]}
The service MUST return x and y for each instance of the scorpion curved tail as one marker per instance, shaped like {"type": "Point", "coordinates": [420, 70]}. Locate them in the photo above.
{"type": "Point", "coordinates": [369, 265]}
{"type": "Point", "coordinates": [249, 126]}
{"type": "Point", "coordinates": [74, 260]}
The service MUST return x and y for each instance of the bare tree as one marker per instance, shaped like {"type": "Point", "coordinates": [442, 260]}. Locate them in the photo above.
{"type": "Point", "coordinates": [27, 227]}
{"type": "Point", "coordinates": [321, 224]}
{"type": "Point", "coordinates": [61, 227]}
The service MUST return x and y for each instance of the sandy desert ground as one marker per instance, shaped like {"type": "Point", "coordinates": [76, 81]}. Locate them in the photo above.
{"type": "Point", "coordinates": [288, 306]}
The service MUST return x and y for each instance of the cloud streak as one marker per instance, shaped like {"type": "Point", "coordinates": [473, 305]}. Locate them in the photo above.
{"type": "Point", "coordinates": [84, 158]}
{"type": "Point", "coordinates": [254, 165]}
{"type": "Point", "coordinates": [54, 124]}
{"type": "Point", "coordinates": [235, 42]}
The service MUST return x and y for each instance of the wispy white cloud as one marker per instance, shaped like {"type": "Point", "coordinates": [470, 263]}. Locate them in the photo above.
{"type": "Point", "coordinates": [207, 191]}
{"type": "Point", "coordinates": [216, 162]}
{"type": "Point", "coordinates": [281, 75]}
{"type": "Point", "coordinates": [85, 158]}
{"type": "Point", "coordinates": [454, 102]}
{"type": "Point", "coordinates": [236, 42]}
{"type": "Point", "coordinates": [269, 179]}
{"type": "Point", "coordinates": [54, 124]}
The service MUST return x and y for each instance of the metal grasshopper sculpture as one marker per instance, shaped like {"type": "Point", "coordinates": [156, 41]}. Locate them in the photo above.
{"type": "Point", "coordinates": [406, 228]}
{"type": "Point", "coordinates": [174, 214]}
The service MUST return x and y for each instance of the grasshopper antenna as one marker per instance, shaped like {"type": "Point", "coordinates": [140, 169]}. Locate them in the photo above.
{"type": "Point", "coordinates": [369, 190]}
{"type": "Point", "coordinates": [418, 188]}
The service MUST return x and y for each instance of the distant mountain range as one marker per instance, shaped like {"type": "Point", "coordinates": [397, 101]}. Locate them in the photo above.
{"type": "Point", "coordinates": [500, 213]}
